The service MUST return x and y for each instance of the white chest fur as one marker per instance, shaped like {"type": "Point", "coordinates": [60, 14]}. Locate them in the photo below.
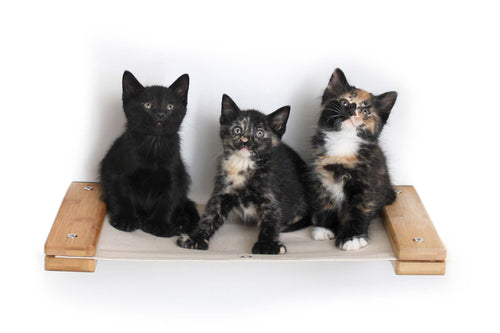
{"type": "Point", "coordinates": [336, 189]}
{"type": "Point", "coordinates": [247, 214]}
{"type": "Point", "coordinates": [342, 143]}
{"type": "Point", "coordinates": [236, 166]}
{"type": "Point", "coordinates": [341, 147]}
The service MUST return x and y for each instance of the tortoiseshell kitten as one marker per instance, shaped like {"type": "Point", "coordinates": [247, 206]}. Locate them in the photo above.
{"type": "Point", "coordinates": [259, 177]}
{"type": "Point", "coordinates": [353, 182]}
{"type": "Point", "coordinates": [145, 183]}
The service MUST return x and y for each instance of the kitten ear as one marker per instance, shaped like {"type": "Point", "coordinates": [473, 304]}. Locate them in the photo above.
{"type": "Point", "coordinates": [278, 119]}
{"type": "Point", "coordinates": [336, 86]}
{"type": "Point", "coordinates": [384, 103]}
{"type": "Point", "coordinates": [181, 87]}
{"type": "Point", "coordinates": [229, 109]}
{"type": "Point", "coordinates": [131, 86]}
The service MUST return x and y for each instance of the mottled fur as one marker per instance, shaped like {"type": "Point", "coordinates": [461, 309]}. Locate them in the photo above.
{"type": "Point", "coordinates": [143, 176]}
{"type": "Point", "coordinates": [259, 177]}
{"type": "Point", "coordinates": [352, 179]}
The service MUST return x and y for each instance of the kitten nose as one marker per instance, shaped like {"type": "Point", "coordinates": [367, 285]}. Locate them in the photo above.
{"type": "Point", "coordinates": [244, 139]}
{"type": "Point", "coordinates": [160, 115]}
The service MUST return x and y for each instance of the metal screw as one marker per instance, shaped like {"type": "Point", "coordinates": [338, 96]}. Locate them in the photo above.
{"type": "Point", "coordinates": [72, 236]}
{"type": "Point", "coordinates": [246, 257]}
{"type": "Point", "coordinates": [88, 188]}
{"type": "Point", "coordinates": [418, 239]}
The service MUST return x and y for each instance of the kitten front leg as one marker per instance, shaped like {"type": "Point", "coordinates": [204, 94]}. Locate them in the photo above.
{"type": "Point", "coordinates": [325, 224]}
{"type": "Point", "coordinates": [123, 214]}
{"type": "Point", "coordinates": [353, 231]}
{"type": "Point", "coordinates": [268, 242]}
{"type": "Point", "coordinates": [218, 207]}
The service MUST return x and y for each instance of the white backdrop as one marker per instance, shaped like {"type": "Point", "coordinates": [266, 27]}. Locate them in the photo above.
{"type": "Point", "coordinates": [61, 67]}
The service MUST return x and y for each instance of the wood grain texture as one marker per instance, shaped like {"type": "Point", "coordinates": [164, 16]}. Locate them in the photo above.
{"type": "Point", "coordinates": [419, 267]}
{"type": "Point", "coordinates": [53, 263]}
{"type": "Point", "coordinates": [82, 214]}
{"type": "Point", "coordinates": [407, 219]}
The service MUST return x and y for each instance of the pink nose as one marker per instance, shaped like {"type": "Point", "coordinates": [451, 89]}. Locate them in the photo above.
{"type": "Point", "coordinates": [244, 139]}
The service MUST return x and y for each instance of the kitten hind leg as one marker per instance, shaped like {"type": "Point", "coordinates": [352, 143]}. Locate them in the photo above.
{"type": "Point", "coordinates": [389, 193]}
{"type": "Point", "coordinates": [390, 196]}
{"type": "Point", "coordinates": [187, 217]}
{"type": "Point", "coordinates": [320, 233]}
{"type": "Point", "coordinates": [168, 223]}
{"type": "Point", "coordinates": [299, 223]}
{"type": "Point", "coordinates": [159, 221]}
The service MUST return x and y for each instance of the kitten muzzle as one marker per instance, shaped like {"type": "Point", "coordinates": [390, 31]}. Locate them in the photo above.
{"type": "Point", "coordinates": [159, 119]}
{"type": "Point", "coordinates": [244, 152]}
{"type": "Point", "coordinates": [356, 120]}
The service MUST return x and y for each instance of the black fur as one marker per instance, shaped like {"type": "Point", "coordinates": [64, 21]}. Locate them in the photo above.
{"type": "Point", "coordinates": [351, 187]}
{"type": "Point", "coordinates": [143, 176]}
{"type": "Point", "coordinates": [258, 174]}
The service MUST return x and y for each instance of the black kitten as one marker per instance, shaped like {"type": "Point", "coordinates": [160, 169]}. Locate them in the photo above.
{"type": "Point", "coordinates": [353, 182]}
{"type": "Point", "coordinates": [144, 179]}
{"type": "Point", "coordinates": [259, 177]}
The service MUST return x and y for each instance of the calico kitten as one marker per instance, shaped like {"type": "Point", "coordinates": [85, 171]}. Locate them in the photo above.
{"type": "Point", "coordinates": [143, 176]}
{"type": "Point", "coordinates": [259, 177]}
{"type": "Point", "coordinates": [353, 182]}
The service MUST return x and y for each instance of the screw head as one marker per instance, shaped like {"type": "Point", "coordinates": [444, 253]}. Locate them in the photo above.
{"type": "Point", "coordinates": [88, 188]}
{"type": "Point", "coordinates": [418, 239]}
{"type": "Point", "coordinates": [246, 257]}
{"type": "Point", "coordinates": [72, 236]}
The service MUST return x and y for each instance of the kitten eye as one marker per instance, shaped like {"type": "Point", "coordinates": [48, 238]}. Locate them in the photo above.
{"type": "Point", "coordinates": [147, 105]}
{"type": "Point", "coordinates": [259, 133]}
{"type": "Point", "coordinates": [365, 111]}
{"type": "Point", "coordinates": [237, 130]}
{"type": "Point", "coordinates": [343, 102]}
{"type": "Point", "coordinates": [170, 107]}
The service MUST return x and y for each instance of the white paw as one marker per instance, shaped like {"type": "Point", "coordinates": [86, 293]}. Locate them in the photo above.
{"type": "Point", "coordinates": [320, 233]}
{"type": "Point", "coordinates": [354, 244]}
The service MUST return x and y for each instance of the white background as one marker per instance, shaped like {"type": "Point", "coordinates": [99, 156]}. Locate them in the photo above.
{"type": "Point", "coordinates": [61, 67]}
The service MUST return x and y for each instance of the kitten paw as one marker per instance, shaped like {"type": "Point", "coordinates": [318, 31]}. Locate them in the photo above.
{"type": "Point", "coordinates": [125, 223]}
{"type": "Point", "coordinates": [270, 247]}
{"type": "Point", "coordinates": [159, 229]}
{"type": "Point", "coordinates": [320, 233]}
{"type": "Point", "coordinates": [192, 243]}
{"type": "Point", "coordinates": [354, 243]}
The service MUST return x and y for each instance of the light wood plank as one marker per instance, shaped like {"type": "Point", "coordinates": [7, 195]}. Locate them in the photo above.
{"type": "Point", "coordinates": [406, 219]}
{"type": "Point", "coordinates": [53, 263]}
{"type": "Point", "coordinates": [81, 214]}
{"type": "Point", "coordinates": [419, 267]}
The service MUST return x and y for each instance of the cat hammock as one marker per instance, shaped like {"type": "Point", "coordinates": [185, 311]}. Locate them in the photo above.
{"type": "Point", "coordinates": [81, 235]}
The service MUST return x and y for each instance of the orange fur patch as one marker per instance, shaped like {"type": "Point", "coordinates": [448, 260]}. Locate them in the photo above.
{"type": "Point", "coordinates": [362, 96]}
{"type": "Point", "coordinates": [370, 123]}
{"type": "Point", "coordinates": [367, 207]}
{"type": "Point", "coordinates": [346, 160]}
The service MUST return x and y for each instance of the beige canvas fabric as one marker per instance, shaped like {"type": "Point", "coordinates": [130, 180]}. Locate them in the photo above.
{"type": "Point", "coordinates": [234, 241]}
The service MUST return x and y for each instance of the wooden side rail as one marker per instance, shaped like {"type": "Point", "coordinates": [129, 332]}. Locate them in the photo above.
{"type": "Point", "coordinates": [76, 229]}
{"type": "Point", "coordinates": [414, 239]}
